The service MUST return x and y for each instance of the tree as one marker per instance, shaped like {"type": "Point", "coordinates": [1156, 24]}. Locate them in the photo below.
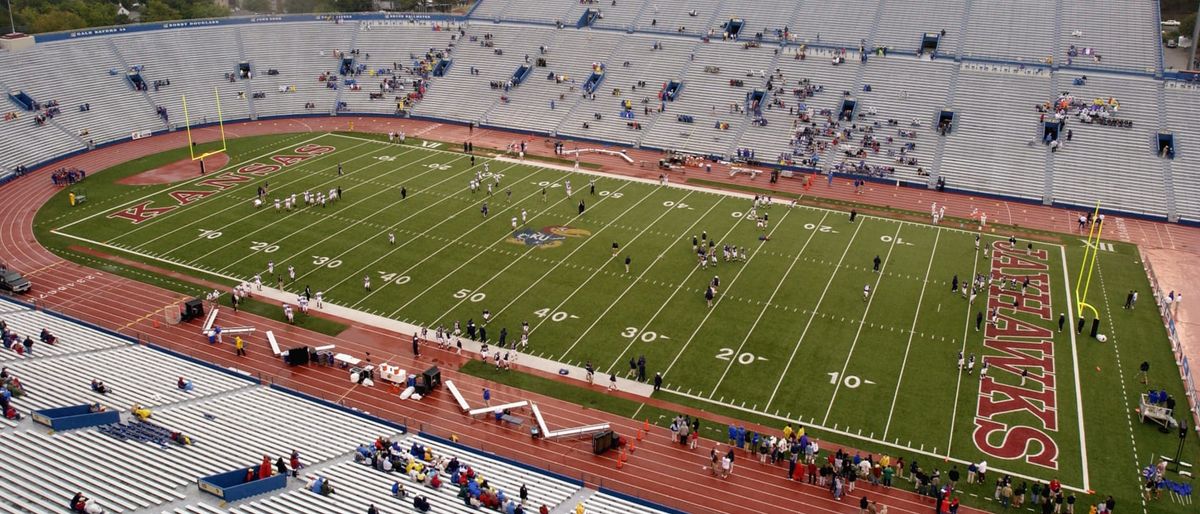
{"type": "Point", "coordinates": [205, 10]}
{"type": "Point", "coordinates": [258, 6]}
{"type": "Point", "coordinates": [51, 20]}
{"type": "Point", "coordinates": [158, 10]}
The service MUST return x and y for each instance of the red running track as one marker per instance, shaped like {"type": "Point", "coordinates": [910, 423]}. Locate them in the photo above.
{"type": "Point", "coordinates": [653, 472]}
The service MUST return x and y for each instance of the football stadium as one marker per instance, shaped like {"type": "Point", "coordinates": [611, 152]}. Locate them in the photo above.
{"type": "Point", "coordinates": [599, 256]}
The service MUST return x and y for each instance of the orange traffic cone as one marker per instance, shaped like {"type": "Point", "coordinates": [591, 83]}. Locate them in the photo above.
{"type": "Point", "coordinates": [646, 427]}
{"type": "Point", "coordinates": [621, 459]}
{"type": "Point", "coordinates": [632, 446]}
{"type": "Point", "coordinates": [640, 434]}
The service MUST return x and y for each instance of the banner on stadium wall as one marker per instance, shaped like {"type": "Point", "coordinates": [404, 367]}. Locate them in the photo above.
{"type": "Point", "coordinates": [244, 20]}
{"type": "Point", "coordinates": [140, 134]}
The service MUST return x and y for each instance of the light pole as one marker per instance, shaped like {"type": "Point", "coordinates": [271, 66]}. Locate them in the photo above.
{"type": "Point", "coordinates": [11, 24]}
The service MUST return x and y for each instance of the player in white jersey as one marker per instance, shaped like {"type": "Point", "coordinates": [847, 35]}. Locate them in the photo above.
{"type": "Point", "coordinates": [568, 188]}
{"type": "Point", "coordinates": [486, 167]}
{"type": "Point", "coordinates": [366, 282]}
{"type": "Point", "coordinates": [489, 186]}
{"type": "Point", "coordinates": [258, 282]}
{"type": "Point", "coordinates": [270, 267]}
{"type": "Point", "coordinates": [514, 223]}
{"type": "Point", "coordinates": [303, 304]}
{"type": "Point", "coordinates": [866, 292]}
{"type": "Point", "coordinates": [287, 203]}
{"type": "Point", "coordinates": [291, 273]}
{"type": "Point", "coordinates": [277, 204]}
{"type": "Point", "coordinates": [522, 216]}
{"type": "Point", "coordinates": [293, 198]}
{"type": "Point", "coordinates": [257, 203]}
{"type": "Point", "coordinates": [321, 199]}
{"type": "Point", "coordinates": [320, 299]}
{"type": "Point", "coordinates": [392, 238]}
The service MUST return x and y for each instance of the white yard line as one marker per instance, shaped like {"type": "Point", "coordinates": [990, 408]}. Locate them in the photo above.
{"type": "Point", "coordinates": [862, 322]}
{"type": "Point", "coordinates": [598, 270]}
{"type": "Point", "coordinates": [844, 432]}
{"type": "Point", "coordinates": [470, 206]}
{"type": "Point", "coordinates": [232, 205]}
{"type": "Point", "coordinates": [963, 348]}
{"type": "Point", "coordinates": [298, 210]}
{"type": "Point", "coordinates": [811, 317]}
{"type": "Point", "coordinates": [197, 179]}
{"type": "Point", "coordinates": [481, 223]}
{"type": "Point", "coordinates": [356, 222]}
{"type": "Point", "coordinates": [1075, 363]}
{"type": "Point", "coordinates": [638, 280]}
{"type": "Point", "coordinates": [481, 252]}
{"type": "Point", "coordinates": [912, 332]}
{"type": "Point", "coordinates": [767, 306]}
{"type": "Point", "coordinates": [717, 303]}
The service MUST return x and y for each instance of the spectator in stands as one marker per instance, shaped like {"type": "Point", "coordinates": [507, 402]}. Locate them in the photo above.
{"type": "Point", "coordinates": [421, 504]}
{"type": "Point", "coordinates": [99, 386]}
{"type": "Point", "coordinates": [372, 509]}
{"type": "Point", "coordinates": [47, 337]}
{"type": "Point", "coordinates": [398, 490]}
{"type": "Point", "coordinates": [184, 385]}
{"type": "Point", "coordinates": [141, 413]}
{"type": "Point", "coordinates": [295, 462]}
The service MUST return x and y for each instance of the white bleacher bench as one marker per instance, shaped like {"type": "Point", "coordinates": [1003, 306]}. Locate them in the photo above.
{"type": "Point", "coordinates": [578, 431]}
{"type": "Point", "coordinates": [462, 403]}
{"type": "Point", "coordinates": [344, 359]}
{"type": "Point", "coordinates": [274, 344]}
{"type": "Point", "coordinates": [208, 322]}
{"type": "Point", "coordinates": [537, 416]}
{"type": "Point", "coordinates": [620, 154]}
{"type": "Point", "coordinates": [752, 172]}
{"type": "Point", "coordinates": [325, 348]}
{"type": "Point", "coordinates": [501, 408]}
{"type": "Point", "coordinates": [232, 331]}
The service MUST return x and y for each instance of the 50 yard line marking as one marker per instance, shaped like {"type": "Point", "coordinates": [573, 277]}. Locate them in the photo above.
{"type": "Point", "coordinates": [912, 332]}
{"type": "Point", "coordinates": [532, 249]}
{"type": "Point", "coordinates": [598, 270]}
{"type": "Point", "coordinates": [863, 322]}
{"type": "Point", "coordinates": [811, 317]}
{"type": "Point", "coordinates": [767, 306]}
{"type": "Point", "coordinates": [717, 304]}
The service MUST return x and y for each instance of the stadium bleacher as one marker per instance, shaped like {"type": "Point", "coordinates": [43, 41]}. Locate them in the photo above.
{"type": "Point", "coordinates": [989, 67]}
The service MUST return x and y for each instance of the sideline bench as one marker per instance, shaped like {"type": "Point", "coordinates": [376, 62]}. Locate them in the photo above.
{"type": "Point", "coordinates": [274, 344]}
{"type": "Point", "coordinates": [462, 403]}
{"type": "Point", "coordinates": [583, 431]}
{"type": "Point", "coordinates": [506, 406]}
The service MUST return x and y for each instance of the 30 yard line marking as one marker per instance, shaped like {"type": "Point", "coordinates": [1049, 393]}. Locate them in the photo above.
{"type": "Point", "coordinates": [717, 303]}
{"type": "Point", "coordinates": [197, 179]}
{"type": "Point", "coordinates": [575, 250]}
{"type": "Point", "coordinates": [813, 316]}
{"type": "Point", "coordinates": [233, 205]}
{"type": "Point", "coordinates": [636, 281]}
{"type": "Point", "coordinates": [337, 209]}
{"type": "Point", "coordinates": [599, 269]}
{"type": "Point", "coordinates": [861, 323]}
{"type": "Point", "coordinates": [499, 215]}
{"type": "Point", "coordinates": [763, 312]}
{"type": "Point", "coordinates": [356, 222]}
{"type": "Point", "coordinates": [912, 331]}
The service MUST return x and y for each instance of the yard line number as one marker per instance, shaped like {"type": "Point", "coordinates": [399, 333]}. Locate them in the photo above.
{"type": "Point", "coordinates": [466, 294]}
{"type": "Point", "coordinates": [851, 381]}
{"type": "Point", "coordinates": [555, 316]}
{"type": "Point", "coordinates": [260, 246]}
{"type": "Point", "coordinates": [326, 262]}
{"type": "Point", "coordinates": [394, 278]}
{"type": "Point", "coordinates": [646, 336]}
{"type": "Point", "coordinates": [728, 354]}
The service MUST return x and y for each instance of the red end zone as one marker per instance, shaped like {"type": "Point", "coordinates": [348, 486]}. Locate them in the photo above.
{"type": "Point", "coordinates": [177, 171]}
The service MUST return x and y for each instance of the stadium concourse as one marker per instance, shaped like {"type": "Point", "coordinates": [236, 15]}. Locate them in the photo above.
{"type": "Point", "coordinates": [650, 474]}
{"type": "Point", "coordinates": [653, 473]}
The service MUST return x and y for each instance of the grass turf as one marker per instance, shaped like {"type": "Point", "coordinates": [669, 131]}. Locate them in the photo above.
{"type": "Point", "coordinates": [790, 336]}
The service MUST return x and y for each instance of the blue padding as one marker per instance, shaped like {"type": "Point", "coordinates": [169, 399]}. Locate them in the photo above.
{"type": "Point", "coordinates": [639, 501]}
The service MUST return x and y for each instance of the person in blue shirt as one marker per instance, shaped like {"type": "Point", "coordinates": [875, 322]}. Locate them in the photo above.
{"type": "Point", "coordinates": [732, 434]}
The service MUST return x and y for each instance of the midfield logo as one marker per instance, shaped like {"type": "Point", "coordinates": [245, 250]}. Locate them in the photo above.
{"type": "Point", "coordinates": [548, 237]}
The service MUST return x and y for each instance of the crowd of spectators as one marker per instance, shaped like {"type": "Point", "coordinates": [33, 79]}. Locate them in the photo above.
{"type": "Point", "coordinates": [67, 176]}
{"type": "Point", "coordinates": [10, 387]}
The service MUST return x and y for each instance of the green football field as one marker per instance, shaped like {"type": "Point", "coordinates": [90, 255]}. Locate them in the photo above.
{"type": "Point", "coordinates": [790, 335]}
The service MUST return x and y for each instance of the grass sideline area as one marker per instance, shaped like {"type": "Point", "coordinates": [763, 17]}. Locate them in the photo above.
{"type": "Point", "coordinates": [790, 335]}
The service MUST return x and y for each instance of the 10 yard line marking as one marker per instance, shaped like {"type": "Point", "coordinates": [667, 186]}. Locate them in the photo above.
{"type": "Point", "coordinates": [636, 281]}
{"type": "Point", "coordinates": [862, 322]}
{"type": "Point", "coordinates": [189, 182]}
{"type": "Point", "coordinates": [600, 268]}
{"type": "Point", "coordinates": [722, 297]}
{"type": "Point", "coordinates": [298, 210]}
{"type": "Point", "coordinates": [813, 316]}
{"type": "Point", "coordinates": [767, 306]}
{"type": "Point", "coordinates": [912, 331]}
{"type": "Point", "coordinates": [513, 261]}
{"type": "Point", "coordinates": [356, 222]}
{"type": "Point", "coordinates": [234, 205]}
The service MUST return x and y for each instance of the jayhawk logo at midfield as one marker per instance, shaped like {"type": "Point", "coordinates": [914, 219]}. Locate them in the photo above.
{"type": "Point", "coordinates": [547, 237]}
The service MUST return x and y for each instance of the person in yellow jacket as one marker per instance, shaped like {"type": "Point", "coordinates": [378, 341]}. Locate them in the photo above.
{"type": "Point", "coordinates": [240, 346]}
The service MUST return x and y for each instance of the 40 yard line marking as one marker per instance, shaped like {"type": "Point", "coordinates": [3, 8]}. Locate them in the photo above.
{"type": "Point", "coordinates": [598, 270]}
{"type": "Point", "coordinates": [636, 281]}
{"type": "Point", "coordinates": [197, 179]}
{"type": "Point", "coordinates": [721, 297]}
{"type": "Point", "coordinates": [912, 332]}
{"type": "Point", "coordinates": [767, 307]}
{"type": "Point", "coordinates": [813, 316]}
{"type": "Point", "coordinates": [862, 322]}
{"type": "Point", "coordinates": [532, 249]}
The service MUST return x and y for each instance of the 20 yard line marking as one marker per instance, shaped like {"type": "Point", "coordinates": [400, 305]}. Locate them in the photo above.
{"type": "Point", "coordinates": [813, 316]}
{"type": "Point", "coordinates": [912, 331]}
{"type": "Point", "coordinates": [721, 297]}
{"type": "Point", "coordinates": [862, 322]}
{"type": "Point", "coordinates": [763, 312]}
